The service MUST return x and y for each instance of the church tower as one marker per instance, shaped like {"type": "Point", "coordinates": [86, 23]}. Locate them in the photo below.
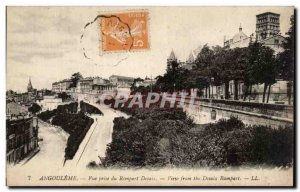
{"type": "Point", "coordinates": [171, 60]}
{"type": "Point", "coordinates": [267, 25]}
{"type": "Point", "coordinates": [191, 58]}
{"type": "Point", "coordinates": [29, 86]}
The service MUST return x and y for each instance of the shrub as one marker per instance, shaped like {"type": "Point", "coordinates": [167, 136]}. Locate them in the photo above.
{"type": "Point", "coordinates": [159, 138]}
{"type": "Point", "coordinates": [272, 146]}
{"type": "Point", "coordinates": [47, 115]}
{"type": "Point", "coordinates": [34, 108]}
{"type": "Point", "coordinates": [76, 124]}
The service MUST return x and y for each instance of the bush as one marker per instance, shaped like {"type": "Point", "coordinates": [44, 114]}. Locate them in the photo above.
{"type": "Point", "coordinates": [271, 146]}
{"type": "Point", "coordinates": [64, 96]}
{"type": "Point", "coordinates": [68, 108]}
{"type": "Point", "coordinates": [34, 108]}
{"type": "Point", "coordinates": [76, 124]}
{"type": "Point", "coordinates": [160, 138]}
{"type": "Point", "coordinates": [144, 142]}
{"type": "Point", "coordinates": [47, 115]}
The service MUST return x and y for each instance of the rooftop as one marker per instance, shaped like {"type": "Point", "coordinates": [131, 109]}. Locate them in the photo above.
{"type": "Point", "coordinates": [123, 77]}
{"type": "Point", "coordinates": [267, 13]}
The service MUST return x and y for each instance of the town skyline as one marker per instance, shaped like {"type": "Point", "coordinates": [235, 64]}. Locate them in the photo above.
{"type": "Point", "coordinates": [52, 49]}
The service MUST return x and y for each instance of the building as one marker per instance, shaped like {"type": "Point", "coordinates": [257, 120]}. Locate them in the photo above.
{"type": "Point", "coordinates": [29, 86]}
{"type": "Point", "coordinates": [190, 63]}
{"type": "Point", "coordinates": [31, 94]}
{"type": "Point", "coordinates": [43, 92]}
{"type": "Point", "coordinates": [21, 133]}
{"type": "Point", "coordinates": [61, 86]}
{"type": "Point", "coordinates": [14, 109]}
{"type": "Point", "coordinates": [100, 84]}
{"type": "Point", "coordinates": [21, 138]}
{"type": "Point", "coordinates": [240, 39]}
{"type": "Point", "coordinates": [172, 59]}
{"type": "Point", "coordinates": [147, 82]}
{"type": "Point", "coordinates": [94, 85]}
{"type": "Point", "coordinates": [85, 85]}
{"type": "Point", "coordinates": [50, 102]}
{"type": "Point", "coordinates": [121, 81]}
{"type": "Point", "coordinates": [267, 33]}
{"type": "Point", "coordinates": [267, 25]}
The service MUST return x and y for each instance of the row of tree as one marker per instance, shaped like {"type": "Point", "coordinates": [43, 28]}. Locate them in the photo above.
{"type": "Point", "coordinates": [255, 64]}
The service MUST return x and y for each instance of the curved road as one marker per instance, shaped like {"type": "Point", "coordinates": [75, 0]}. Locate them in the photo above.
{"type": "Point", "coordinates": [99, 135]}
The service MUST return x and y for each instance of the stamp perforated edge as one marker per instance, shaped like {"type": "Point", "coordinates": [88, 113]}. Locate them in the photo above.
{"type": "Point", "coordinates": [101, 52]}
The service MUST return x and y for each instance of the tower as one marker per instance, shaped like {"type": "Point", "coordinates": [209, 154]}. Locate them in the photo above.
{"type": "Point", "coordinates": [191, 58]}
{"type": "Point", "coordinates": [267, 25]}
{"type": "Point", "coordinates": [29, 86]}
{"type": "Point", "coordinates": [171, 60]}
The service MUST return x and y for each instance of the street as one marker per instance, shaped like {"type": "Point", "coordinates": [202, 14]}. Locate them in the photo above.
{"type": "Point", "coordinates": [52, 149]}
{"type": "Point", "coordinates": [99, 135]}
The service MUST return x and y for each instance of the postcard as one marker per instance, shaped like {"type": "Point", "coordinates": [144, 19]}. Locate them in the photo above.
{"type": "Point", "coordinates": [150, 96]}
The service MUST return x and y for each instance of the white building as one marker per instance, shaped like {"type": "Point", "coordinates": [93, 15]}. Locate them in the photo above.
{"type": "Point", "coordinates": [50, 102]}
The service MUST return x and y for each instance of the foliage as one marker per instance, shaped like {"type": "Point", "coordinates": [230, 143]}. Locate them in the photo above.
{"type": "Point", "coordinates": [156, 139]}
{"type": "Point", "coordinates": [255, 64]}
{"type": "Point", "coordinates": [68, 108]}
{"type": "Point", "coordinates": [287, 57]}
{"type": "Point", "coordinates": [64, 96]}
{"type": "Point", "coordinates": [135, 140]}
{"type": "Point", "coordinates": [75, 78]}
{"type": "Point", "coordinates": [34, 108]}
{"type": "Point", "coordinates": [76, 124]}
{"type": "Point", "coordinates": [47, 115]}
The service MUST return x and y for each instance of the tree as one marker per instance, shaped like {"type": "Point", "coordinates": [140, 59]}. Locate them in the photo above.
{"type": "Point", "coordinates": [64, 96]}
{"type": "Point", "coordinates": [238, 67]}
{"type": "Point", "coordinates": [262, 66]}
{"type": "Point", "coordinates": [34, 108]}
{"type": "Point", "coordinates": [287, 58]}
{"type": "Point", "coordinates": [221, 70]}
{"type": "Point", "coordinates": [75, 78]}
{"type": "Point", "coordinates": [204, 62]}
{"type": "Point", "coordinates": [133, 86]}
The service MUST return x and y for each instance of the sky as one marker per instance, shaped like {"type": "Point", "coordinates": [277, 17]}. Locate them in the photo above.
{"type": "Point", "coordinates": [44, 43]}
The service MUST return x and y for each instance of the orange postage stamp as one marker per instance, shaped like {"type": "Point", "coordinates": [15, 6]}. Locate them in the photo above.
{"type": "Point", "coordinates": [124, 31]}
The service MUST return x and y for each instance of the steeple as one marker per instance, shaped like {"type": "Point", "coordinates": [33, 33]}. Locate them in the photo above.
{"type": "Point", "coordinates": [172, 56]}
{"type": "Point", "coordinates": [29, 86]}
{"type": "Point", "coordinates": [171, 60]}
{"type": "Point", "coordinates": [240, 28]}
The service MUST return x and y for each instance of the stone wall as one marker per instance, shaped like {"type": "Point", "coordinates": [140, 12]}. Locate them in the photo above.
{"type": "Point", "coordinates": [277, 110]}
{"type": "Point", "coordinates": [271, 115]}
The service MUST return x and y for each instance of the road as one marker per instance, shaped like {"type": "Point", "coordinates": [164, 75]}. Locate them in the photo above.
{"type": "Point", "coordinates": [52, 149]}
{"type": "Point", "coordinates": [95, 142]}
